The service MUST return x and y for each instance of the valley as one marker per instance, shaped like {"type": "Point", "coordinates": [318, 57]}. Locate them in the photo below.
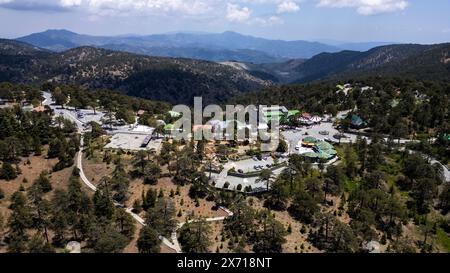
{"type": "Point", "coordinates": [348, 151]}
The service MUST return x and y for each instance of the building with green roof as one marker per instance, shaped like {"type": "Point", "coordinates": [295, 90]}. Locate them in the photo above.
{"type": "Point", "coordinates": [322, 150]}
{"type": "Point", "coordinates": [168, 128]}
{"type": "Point", "coordinates": [279, 114]}
{"type": "Point", "coordinates": [293, 113]}
{"type": "Point", "coordinates": [174, 114]}
{"type": "Point", "coordinates": [311, 155]}
{"type": "Point", "coordinates": [309, 141]}
{"type": "Point", "coordinates": [358, 122]}
{"type": "Point", "coordinates": [322, 145]}
{"type": "Point", "coordinates": [275, 115]}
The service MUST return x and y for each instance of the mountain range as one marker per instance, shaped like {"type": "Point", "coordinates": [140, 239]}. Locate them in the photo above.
{"type": "Point", "coordinates": [178, 80]}
{"type": "Point", "coordinates": [205, 46]}
{"type": "Point", "coordinates": [157, 78]}
{"type": "Point", "coordinates": [426, 62]}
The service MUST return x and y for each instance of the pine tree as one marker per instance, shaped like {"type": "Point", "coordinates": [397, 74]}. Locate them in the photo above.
{"type": "Point", "coordinates": [8, 172]}
{"type": "Point", "coordinates": [162, 217]}
{"type": "Point", "coordinates": [195, 237]}
{"type": "Point", "coordinates": [148, 241]}
{"type": "Point", "coordinates": [103, 205]}
{"type": "Point", "coordinates": [125, 223]}
{"type": "Point", "coordinates": [18, 223]}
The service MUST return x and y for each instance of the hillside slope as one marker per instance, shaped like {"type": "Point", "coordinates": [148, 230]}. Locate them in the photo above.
{"type": "Point", "coordinates": [423, 62]}
{"type": "Point", "coordinates": [206, 46]}
{"type": "Point", "coordinates": [417, 61]}
{"type": "Point", "coordinates": [172, 80]}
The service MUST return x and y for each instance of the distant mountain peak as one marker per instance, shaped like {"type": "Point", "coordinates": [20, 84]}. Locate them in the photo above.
{"type": "Point", "coordinates": [230, 32]}
{"type": "Point", "coordinates": [217, 47]}
{"type": "Point", "coordinates": [61, 31]}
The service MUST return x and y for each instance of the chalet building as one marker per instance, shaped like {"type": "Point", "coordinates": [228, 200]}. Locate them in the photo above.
{"type": "Point", "coordinates": [357, 122]}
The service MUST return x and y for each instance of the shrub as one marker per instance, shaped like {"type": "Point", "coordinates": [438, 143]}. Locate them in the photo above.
{"type": "Point", "coordinates": [8, 172]}
{"type": "Point", "coordinates": [303, 230]}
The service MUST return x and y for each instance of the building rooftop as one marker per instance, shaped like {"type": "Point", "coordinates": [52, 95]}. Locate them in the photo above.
{"type": "Point", "coordinates": [174, 114]}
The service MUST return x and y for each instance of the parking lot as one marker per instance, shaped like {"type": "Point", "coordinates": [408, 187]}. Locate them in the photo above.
{"type": "Point", "coordinates": [250, 165]}
{"type": "Point", "coordinates": [324, 131]}
{"type": "Point", "coordinates": [235, 181]}
{"type": "Point", "coordinates": [133, 142]}
{"type": "Point", "coordinates": [87, 116]}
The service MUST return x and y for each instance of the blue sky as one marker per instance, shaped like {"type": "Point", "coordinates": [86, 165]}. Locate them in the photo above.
{"type": "Point", "coordinates": [419, 21]}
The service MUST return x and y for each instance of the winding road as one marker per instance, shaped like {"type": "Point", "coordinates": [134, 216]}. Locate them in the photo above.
{"type": "Point", "coordinates": [173, 243]}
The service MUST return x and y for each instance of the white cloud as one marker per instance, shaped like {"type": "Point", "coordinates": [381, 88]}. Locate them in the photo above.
{"type": "Point", "coordinates": [70, 3]}
{"type": "Point", "coordinates": [367, 7]}
{"type": "Point", "coordinates": [287, 7]}
{"type": "Point", "coordinates": [267, 22]}
{"type": "Point", "coordinates": [121, 7]}
{"type": "Point", "coordinates": [263, 12]}
{"type": "Point", "coordinates": [237, 14]}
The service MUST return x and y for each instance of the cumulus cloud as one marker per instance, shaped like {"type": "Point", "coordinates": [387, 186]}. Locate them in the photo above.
{"type": "Point", "coordinates": [237, 14]}
{"type": "Point", "coordinates": [32, 5]}
{"type": "Point", "coordinates": [266, 22]}
{"type": "Point", "coordinates": [116, 7]}
{"type": "Point", "coordinates": [263, 12]}
{"type": "Point", "coordinates": [367, 7]}
{"type": "Point", "coordinates": [287, 7]}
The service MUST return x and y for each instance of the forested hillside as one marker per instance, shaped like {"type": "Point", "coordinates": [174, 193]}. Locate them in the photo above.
{"type": "Point", "coordinates": [172, 80]}
{"type": "Point", "coordinates": [422, 62]}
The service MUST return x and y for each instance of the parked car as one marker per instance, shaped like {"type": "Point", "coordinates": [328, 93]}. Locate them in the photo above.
{"type": "Point", "coordinates": [324, 133]}
{"type": "Point", "coordinates": [340, 136]}
{"type": "Point", "coordinates": [240, 171]}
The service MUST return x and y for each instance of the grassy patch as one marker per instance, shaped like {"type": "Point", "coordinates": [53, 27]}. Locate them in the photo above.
{"type": "Point", "coordinates": [351, 185]}
{"type": "Point", "coordinates": [340, 150]}
{"type": "Point", "coordinates": [391, 167]}
{"type": "Point", "coordinates": [443, 239]}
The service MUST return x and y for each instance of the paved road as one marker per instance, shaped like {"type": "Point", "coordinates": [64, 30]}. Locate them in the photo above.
{"type": "Point", "coordinates": [69, 115]}
{"type": "Point", "coordinates": [433, 161]}
{"type": "Point", "coordinates": [175, 244]}
{"type": "Point", "coordinates": [446, 170]}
